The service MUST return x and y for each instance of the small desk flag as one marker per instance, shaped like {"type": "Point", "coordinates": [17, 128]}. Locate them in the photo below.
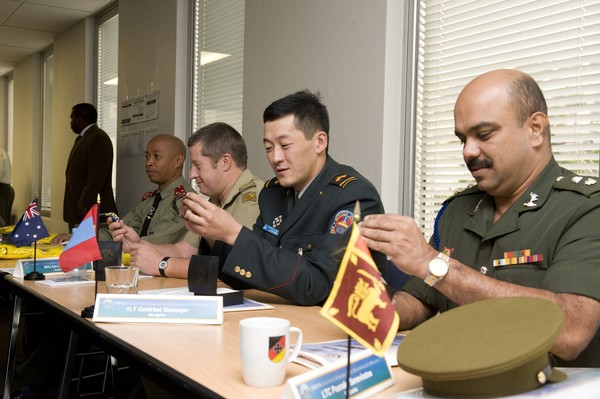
{"type": "Point", "coordinates": [83, 245]}
{"type": "Point", "coordinates": [30, 227]}
{"type": "Point", "coordinates": [358, 302]}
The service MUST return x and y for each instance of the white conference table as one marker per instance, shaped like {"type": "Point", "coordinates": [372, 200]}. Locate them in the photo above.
{"type": "Point", "coordinates": [191, 360]}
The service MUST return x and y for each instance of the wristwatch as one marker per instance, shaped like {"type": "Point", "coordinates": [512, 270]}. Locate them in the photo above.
{"type": "Point", "coordinates": [437, 269]}
{"type": "Point", "coordinates": [162, 265]}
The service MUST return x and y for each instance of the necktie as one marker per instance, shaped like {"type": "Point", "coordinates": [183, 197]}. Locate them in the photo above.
{"type": "Point", "coordinates": [290, 201]}
{"type": "Point", "coordinates": [148, 219]}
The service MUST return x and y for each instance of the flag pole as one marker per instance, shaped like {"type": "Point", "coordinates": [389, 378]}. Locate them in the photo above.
{"type": "Point", "coordinates": [35, 275]}
{"type": "Point", "coordinates": [356, 219]}
{"type": "Point", "coordinates": [88, 311]}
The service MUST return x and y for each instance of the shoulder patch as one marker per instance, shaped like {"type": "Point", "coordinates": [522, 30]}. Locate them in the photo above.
{"type": "Point", "coordinates": [341, 221]}
{"type": "Point", "coordinates": [250, 196]}
{"type": "Point", "coordinates": [585, 185]}
{"type": "Point", "coordinates": [179, 191]}
{"type": "Point", "coordinates": [149, 194]}
{"type": "Point", "coordinates": [342, 179]}
{"type": "Point", "coordinates": [472, 189]}
{"type": "Point", "coordinates": [247, 186]}
{"type": "Point", "coordinates": [274, 182]}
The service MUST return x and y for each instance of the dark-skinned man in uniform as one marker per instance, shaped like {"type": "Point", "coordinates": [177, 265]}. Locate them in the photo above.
{"type": "Point", "coordinates": [528, 228]}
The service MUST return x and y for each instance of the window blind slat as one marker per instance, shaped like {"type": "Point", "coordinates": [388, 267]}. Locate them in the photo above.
{"type": "Point", "coordinates": [218, 86]}
{"type": "Point", "coordinates": [556, 41]}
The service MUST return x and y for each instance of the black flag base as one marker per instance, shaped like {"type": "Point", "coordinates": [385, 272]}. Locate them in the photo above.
{"type": "Point", "coordinates": [34, 275]}
{"type": "Point", "coordinates": [111, 252]}
{"type": "Point", "coordinates": [88, 312]}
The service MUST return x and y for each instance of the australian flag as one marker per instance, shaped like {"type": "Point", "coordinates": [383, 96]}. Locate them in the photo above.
{"type": "Point", "coordinates": [30, 227]}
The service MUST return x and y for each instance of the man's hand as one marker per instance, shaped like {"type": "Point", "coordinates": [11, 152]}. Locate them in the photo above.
{"type": "Point", "coordinates": [145, 257]}
{"type": "Point", "coordinates": [60, 238]}
{"type": "Point", "coordinates": [401, 240]}
{"type": "Point", "coordinates": [208, 220]}
{"type": "Point", "coordinates": [121, 232]}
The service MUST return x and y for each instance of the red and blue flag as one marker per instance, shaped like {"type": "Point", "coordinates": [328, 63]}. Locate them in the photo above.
{"type": "Point", "coordinates": [83, 245]}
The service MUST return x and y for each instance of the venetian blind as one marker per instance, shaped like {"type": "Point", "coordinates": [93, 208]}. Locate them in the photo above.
{"type": "Point", "coordinates": [218, 62]}
{"type": "Point", "coordinates": [555, 41]}
{"type": "Point", "coordinates": [108, 79]}
{"type": "Point", "coordinates": [45, 200]}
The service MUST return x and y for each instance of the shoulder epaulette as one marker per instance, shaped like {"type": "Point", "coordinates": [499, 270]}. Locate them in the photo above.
{"type": "Point", "coordinates": [247, 186]}
{"type": "Point", "coordinates": [149, 194]}
{"type": "Point", "coordinates": [179, 191]}
{"type": "Point", "coordinates": [342, 179]}
{"type": "Point", "coordinates": [273, 182]}
{"type": "Point", "coordinates": [471, 189]}
{"type": "Point", "coordinates": [585, 185]}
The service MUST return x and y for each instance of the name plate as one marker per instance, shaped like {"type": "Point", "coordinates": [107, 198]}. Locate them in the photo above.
{"type": "Point", "coordinates": [42, 265]}
{"type": "Point", "coordinates": [124, 308]}
{"type": "Point", "coordinates": [369, 374]}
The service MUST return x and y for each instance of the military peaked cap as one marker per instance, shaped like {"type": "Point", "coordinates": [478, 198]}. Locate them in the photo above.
{"type": "Point", "coordinates": [496, 347]}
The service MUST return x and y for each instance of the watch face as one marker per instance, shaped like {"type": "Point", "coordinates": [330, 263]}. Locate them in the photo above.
{"type": "Point", "coordinates": [438, 267]}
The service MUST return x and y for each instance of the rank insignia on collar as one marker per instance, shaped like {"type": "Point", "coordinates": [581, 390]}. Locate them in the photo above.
{"type": "Point", "coordinates": [179, 191]}
{"type": "Point", "coordinates": [532, 200]}
{"type": "Point", "coordinates": [589, 181]}
{"type": "Point", "coordinates": [576, 179]}
{"type": "Point", "coordinates": [149, 194]}
{"type": "Point", "coordinates": [277, 221]}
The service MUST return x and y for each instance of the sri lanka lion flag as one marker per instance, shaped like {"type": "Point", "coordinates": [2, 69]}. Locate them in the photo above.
{"type": "Point", "coordinates": [83, 245]}
{"type": "Point", "coordinates": [358, 302]}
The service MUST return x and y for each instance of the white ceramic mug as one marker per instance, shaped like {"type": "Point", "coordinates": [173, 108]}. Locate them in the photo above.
{"type": "Point", "coordinates": [265, 350]}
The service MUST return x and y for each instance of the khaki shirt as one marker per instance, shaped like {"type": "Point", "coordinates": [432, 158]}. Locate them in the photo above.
{"type": "Point", "coordinates": [166, 226]}
{"type": "Point", "coordinates": [241, 203]}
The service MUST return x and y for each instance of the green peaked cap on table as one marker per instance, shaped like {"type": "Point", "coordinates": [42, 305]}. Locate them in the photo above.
{"type": "Point", "coordinates": [495, 347]}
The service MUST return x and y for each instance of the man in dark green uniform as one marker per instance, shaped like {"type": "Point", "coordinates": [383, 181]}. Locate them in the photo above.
{"type": "Point", "coordinates": [304, 209]}
{"type": "Point", "coordinates": [529, 227]}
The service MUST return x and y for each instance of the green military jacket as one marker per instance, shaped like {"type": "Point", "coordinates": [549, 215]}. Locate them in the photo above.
{"type": "Point", "coordinates": [166, 226]}
{"type": "Point", "coordinates": [241, 203]}
{"type": "Point", "coordinates": [548, 239]}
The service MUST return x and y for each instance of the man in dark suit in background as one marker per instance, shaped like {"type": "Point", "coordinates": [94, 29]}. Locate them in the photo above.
{"type": "Point", "coordinates": [89, 168]}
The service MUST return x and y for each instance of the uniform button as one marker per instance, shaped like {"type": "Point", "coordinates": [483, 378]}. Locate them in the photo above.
{"type": "Point", "coordinates": [236, 269]}
{"type": "Point", "coordinates": [242, 272]}
{"type": "Point", "coordinates": [483, 270]}
{"type": "Point", "coordinates": [309, 246]}
{"type": "Point", "coordinates": [248, 274]}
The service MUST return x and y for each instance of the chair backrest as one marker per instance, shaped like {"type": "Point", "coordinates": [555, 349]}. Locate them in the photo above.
{"type": "Point", "coordinates": [396, 277]}
{"type": "Point", "coordinates": [7, 197]}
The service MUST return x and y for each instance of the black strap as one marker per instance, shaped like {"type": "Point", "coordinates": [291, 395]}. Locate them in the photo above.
{"type": "Point", "coordinates": [290, 201]}
{"type": "Point", "coordinates": [144, 230]}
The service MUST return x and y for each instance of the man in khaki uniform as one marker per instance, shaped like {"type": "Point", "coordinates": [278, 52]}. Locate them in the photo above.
{"type": "Point", "coordinates": [219, 158]}
{"type": "Point", "coordinates": [529, 228]}
{"type": "Point", "coordinates": [156, 218]}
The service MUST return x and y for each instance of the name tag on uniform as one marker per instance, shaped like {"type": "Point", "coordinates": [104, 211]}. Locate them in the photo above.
{"type": "Point", "coordinates": [271, 230]}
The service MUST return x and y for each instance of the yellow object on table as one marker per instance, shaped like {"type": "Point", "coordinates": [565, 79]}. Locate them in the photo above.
{"type": "Point", "coordinates": [9, 251]}
{"type": "Point", "coordinates": [44, 248]}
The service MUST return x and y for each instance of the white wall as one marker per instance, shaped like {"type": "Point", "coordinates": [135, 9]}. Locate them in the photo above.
{"type": "Point", "coordinates": [150, 58]}
{"type": "Point", "coordinates": [349, 50]}
{"type": "Point", "coordinates": [336, 47]}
